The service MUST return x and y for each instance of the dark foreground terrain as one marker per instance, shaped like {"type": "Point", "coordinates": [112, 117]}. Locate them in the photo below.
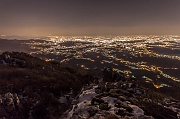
{"type": "Point", "coordinates": [31, 88]}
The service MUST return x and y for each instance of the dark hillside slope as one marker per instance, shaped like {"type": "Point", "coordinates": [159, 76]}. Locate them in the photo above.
{"type": "Point", "coordinates": [39, 83]}
{"type": "Point", "coordinates": [31, 88]}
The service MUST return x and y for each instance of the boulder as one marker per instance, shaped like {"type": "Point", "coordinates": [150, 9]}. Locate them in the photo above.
{"type": "Point", "coordinates": [110, 75]}
{"type": "Point", "coordinates": [121, 112]}
{"type": "Point", "coordinates": [9, 105]}
{"type": "Point", "coordinates": [122, 98]}
{"type": "Point", "coordinates": [96, 101]}
{"type": "Point", "coordinates": [104, 106]}
{"type": "Point", "coordinates": [98, 90]}
{"type": "Point", "coordinates": [92, 110]}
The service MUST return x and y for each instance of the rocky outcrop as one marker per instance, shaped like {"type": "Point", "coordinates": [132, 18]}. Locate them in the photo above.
{"type": "Point", "coordinates": [110, 76]}
{"type": "Point", "coordinates": [92, 105]}
{"type": "Point", "coordinates": [10, 59]}
{"type": "Point", "coordinates": [121, 99]}
{"type": "Point", "coordinates": [10, 106]}
{"type": "Point", "coordinates": [172, 104]}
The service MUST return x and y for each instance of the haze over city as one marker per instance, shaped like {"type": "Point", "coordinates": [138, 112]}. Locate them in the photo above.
{"type": "Point", "coordinates": [89, 17]}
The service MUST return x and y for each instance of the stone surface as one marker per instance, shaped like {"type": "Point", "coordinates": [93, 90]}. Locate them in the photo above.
{"type": "Point", "coordinates": [9, 106]}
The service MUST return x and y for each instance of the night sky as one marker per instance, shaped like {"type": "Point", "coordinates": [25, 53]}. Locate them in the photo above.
{"type": "Point", "coordinates": [89, 17]}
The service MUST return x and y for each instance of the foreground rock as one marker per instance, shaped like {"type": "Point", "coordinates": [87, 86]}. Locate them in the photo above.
{"type": "Point", "coordinates": [91, 105]}
{"type": "Point", "coordinates": [10, 106]}
{"type": "Point", "coordinates": [121, 99]}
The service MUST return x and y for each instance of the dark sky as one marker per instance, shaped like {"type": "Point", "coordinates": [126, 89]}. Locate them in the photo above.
{"type": "Point", "coordinates": [89, 17]}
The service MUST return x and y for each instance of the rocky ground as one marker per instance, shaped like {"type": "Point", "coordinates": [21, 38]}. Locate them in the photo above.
{"type": "Point", "coordinates": [122, 99]}
{"type": "Point", "coordinates": [31, 88]}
